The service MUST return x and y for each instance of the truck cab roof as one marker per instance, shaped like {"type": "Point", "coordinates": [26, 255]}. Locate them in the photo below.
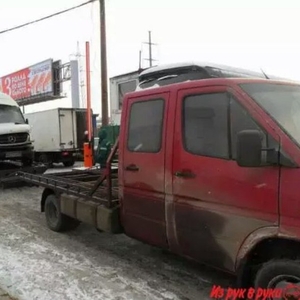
{"type": "Point", "coordinates": [190, 71]}
{"type": "Point", "coordinates": [7, 100]}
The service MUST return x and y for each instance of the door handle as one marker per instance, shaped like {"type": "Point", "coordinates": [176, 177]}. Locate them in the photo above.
{"type": "Point", "coordinates": [132, 168]}
{"type": "Point", "coordinates": [184, 174]}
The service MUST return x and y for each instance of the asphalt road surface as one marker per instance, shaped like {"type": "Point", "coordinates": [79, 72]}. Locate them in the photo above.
{"type": "Point", "coordinates": [36, 263]}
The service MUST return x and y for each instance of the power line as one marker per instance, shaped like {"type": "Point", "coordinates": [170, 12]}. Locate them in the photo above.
{"type": "Point", "coordinates": [47, 17]}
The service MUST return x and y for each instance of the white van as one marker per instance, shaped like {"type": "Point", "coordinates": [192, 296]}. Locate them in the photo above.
{"type": "Point", "coordinates": [15, 143]}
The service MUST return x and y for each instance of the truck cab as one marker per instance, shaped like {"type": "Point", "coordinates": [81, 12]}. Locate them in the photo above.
{"type": "Point", "coordinates": [209, 170]}
{"type": "Point", "coordinates": [15, 143]}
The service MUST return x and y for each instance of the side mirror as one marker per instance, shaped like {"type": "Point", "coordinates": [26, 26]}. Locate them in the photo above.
{"type": "Point", "coordinates": [249, 148]}
{"type": "Point", "coordinates": [26, 121]}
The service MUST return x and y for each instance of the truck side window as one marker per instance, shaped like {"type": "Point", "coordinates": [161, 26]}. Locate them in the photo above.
{"type": "Point", "coordinates": [241, 120]}
{"type": "Point", "coordinates": [145, 126]}
{"type": "Point", "coordinates": [205, 124]}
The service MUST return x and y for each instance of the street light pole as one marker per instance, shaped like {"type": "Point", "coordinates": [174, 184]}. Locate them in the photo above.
{"type": "Point", "coordinates": [104, 93]}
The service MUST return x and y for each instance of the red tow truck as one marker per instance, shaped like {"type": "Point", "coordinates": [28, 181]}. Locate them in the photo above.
{"type": "Point", "coordinates": [208, 169]}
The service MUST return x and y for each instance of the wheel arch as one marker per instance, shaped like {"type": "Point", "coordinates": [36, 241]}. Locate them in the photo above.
{"type": "Point", "coordinates": [260, 246]}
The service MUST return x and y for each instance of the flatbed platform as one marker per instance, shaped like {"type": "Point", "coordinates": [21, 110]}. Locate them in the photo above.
{"type": "Point", "coordinates": [91, 184]}
{"type": "Point", "coordinates": [9, 170]}
{"type": "Point", "coordinates": [81, 195]}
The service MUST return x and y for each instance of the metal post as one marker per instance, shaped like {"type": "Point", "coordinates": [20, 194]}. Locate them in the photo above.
{"type": "Point", "coordinates": [103, 64]}
{"type": "Point", "coordinates": [88, 90]}
{"type": "Point", "coordinates": [87, 147]}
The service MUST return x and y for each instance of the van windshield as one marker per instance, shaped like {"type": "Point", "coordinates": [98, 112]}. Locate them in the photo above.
{"type": "Point", "coordinates": [281, 102]}
{"type": "Point", "coordinates": [11, 114]}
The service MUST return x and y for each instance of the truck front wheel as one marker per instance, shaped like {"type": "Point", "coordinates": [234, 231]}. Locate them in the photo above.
{"type": "Point", "coordinates": [282, 275]}
{"type": "Point", "coordinates": [57, 221]}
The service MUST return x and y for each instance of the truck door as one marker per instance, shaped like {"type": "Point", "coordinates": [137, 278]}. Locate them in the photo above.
{"type": "Point", "coordinates": [217, 203]}
{"type": "Point", "coordinates": [143, 205]}
{"type": "Point", "coordinates": [67, 136]}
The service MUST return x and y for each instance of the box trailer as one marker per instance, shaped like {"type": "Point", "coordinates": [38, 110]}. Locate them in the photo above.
{"type": "Point", "coordinates": [58, 134]}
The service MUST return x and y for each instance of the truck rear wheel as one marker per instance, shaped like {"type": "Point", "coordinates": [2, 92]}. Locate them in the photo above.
{"type": "Point", "coordinates": [281, 275]}
{"type": "Point", "coordinates": [69, 163]}
{"type": "Point", "coordinates": [57, 221]}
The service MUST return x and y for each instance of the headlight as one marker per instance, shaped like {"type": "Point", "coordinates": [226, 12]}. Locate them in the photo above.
{"type": "Point", "coordinates": [28, 138]}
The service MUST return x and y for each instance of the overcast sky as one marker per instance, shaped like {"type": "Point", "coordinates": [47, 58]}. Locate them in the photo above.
{"type": "Point", "coordinates": [251, 34]}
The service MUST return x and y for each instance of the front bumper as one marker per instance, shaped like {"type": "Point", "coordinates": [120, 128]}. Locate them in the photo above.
{"type": "Point", "coordinates": [17, 152]}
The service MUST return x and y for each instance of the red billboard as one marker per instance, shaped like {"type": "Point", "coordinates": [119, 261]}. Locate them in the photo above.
{"type": "Point", "coordinates": [31, 83]}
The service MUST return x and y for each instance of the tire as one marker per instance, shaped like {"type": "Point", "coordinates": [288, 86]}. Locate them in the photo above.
{"type": "Point", "coordinates": [284, 271]}
{"type": "Point", "coordinates": [69, 163]}
{"type": "Point", "coordinates": [56, 221]}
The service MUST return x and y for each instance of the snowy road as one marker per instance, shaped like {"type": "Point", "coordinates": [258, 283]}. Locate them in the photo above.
{"type": "Point", "coordinates": [36, 263]}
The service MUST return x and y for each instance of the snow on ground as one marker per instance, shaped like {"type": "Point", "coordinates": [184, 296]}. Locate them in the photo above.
{"type": "Point", "coordinates": [36, 263]}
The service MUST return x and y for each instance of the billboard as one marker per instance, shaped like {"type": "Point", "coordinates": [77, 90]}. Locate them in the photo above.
{"type": "Point", "coordinates": [31, 83]}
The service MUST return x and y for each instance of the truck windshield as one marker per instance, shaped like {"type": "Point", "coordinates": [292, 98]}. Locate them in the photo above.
{"type": "Point", "coordinates": [11, 114]}
{"type": "Point", "coordinates": [281, 102]}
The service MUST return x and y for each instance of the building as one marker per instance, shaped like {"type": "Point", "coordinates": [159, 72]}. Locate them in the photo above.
{"type": "Point", "coordinates": [119, 86]}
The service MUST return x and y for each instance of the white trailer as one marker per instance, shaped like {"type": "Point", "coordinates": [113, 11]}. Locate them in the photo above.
{"type": "Point", "coordinates": [57, 134]}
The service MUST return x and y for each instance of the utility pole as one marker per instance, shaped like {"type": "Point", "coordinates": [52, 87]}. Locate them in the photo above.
{"type": "Point", "coordinates": [140, 60]}
{"type": "Point", "coordinates": [104, 94]}
{"type": "Point", "coordinates": [150, 49]}
{"type": "Point", "coordinates": [150, 44]}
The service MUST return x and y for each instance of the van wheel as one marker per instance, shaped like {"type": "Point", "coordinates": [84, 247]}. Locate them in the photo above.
{"type": "Point", "coordinates": [57, 221]}
{"type": "Point", "coordinates": [282, 274]}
